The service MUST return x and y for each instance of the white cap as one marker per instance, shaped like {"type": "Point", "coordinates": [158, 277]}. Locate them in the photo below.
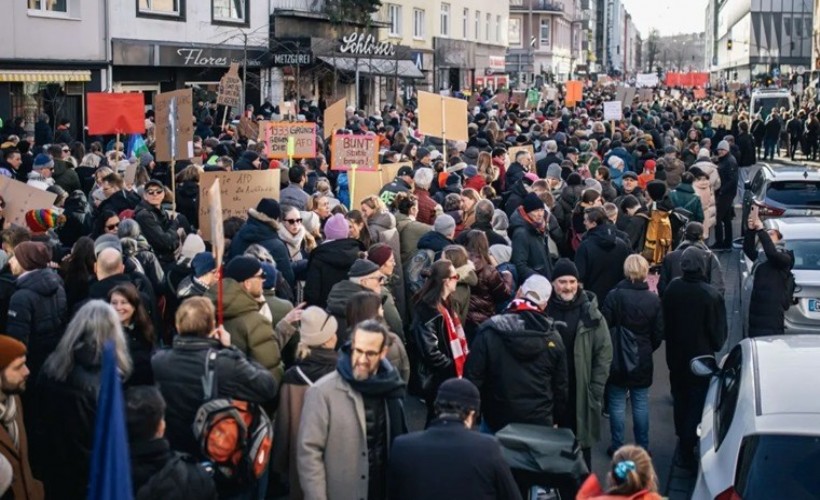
{"type": "Point", "coordinates": [536, 289]}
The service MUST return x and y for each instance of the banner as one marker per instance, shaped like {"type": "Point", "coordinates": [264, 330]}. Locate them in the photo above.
{"type": "Point", "coordinates": [613, 110]}
{"type": "Point", "coordinates": [334, 118]}
{"type": "Point", "coordinates": [229, 92]}
{"type": "Point", "coordinates": [116, 113]}
{"type": "Point", "coordinates": [174, 119]}
{"type": "Point", "coordinates": [359, 150]}
{"type": "Point", "coordinates": [238, 191]}
{"type": "Point", "coordinates": [647, 80]}
{"type": "Point", "coordinates": [20, 198]}
{"type": "Point", "coordinates": [686, 79]}
{"type": "Point", "coordinates": [444, 117]}
{"type": "Point", "coordinates": [304, 139]}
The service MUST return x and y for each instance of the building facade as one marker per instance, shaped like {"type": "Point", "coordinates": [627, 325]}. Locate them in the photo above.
{"type": "Point", "coordinates": [617, 39]}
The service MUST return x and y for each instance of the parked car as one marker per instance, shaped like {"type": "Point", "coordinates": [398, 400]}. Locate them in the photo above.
{"type": "Point", "coordinates": [760, 433]}
{"type": "Point", "coordinates": [801, 235]}
{"type": "Point", "coordinates": [782, 191]}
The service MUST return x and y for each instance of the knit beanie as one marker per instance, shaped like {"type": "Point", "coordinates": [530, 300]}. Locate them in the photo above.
{"type": "Point", "coordinates": [379, 254]}
{"type": "Point", "coordinates": [10, 349]}
{"type": "Point", "coordinates": [564, 267]}
{"type": "Point", "coordinates": [40, 221]}
{"type": "Point", "coordinates": [32, 255]}
{"type": "Point", "coordinates": [362, 268]}
{"type": "Point", "coordinates": [444, 225]}
{"type": "Point", "coordinates": [337, 228]}
{"type": "Point", "coordinates": [532, 203]}
{"type": "Point", "coordinates": [242, 268]}
{"type": "Point", "coordinates": [203, 263]}
{"type": "Point", "coordinates": [316, 327]}
{"type": "Point", "coordinates": [656, 190]}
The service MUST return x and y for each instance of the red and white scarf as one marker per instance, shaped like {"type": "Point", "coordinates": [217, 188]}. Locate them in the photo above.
{"type": "Point", "coordinates": [457, 339]}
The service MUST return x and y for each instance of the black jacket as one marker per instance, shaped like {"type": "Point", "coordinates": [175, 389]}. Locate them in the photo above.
{"type": "Point", "coordinates": [635, 228]}
{"type": "Point", "coordinates": [329, 264]}
{"type": "Point", "coordinates": [600, 260]}
{"type": "Point", "coordinates": [632, 306]}
{"type": "Point", "coordinates": [432, 346]}
{"type": "Point", "coordinates": [543, 164]}
{"type": "Point", "coordinates": [159, 230]}
{"type": "Point", "coordinates": [529, 249]}
{"type": "Point", "coordinates": [178, 372]}
{"type": "Point", "coordinates": [519, 363]}
{"type": "Point", "coordinates": [493, 238]}
{"type": "Point", "coordinates": [671, 269]}
{"type": "Point", "coordinates": [119, 201]}
{"type": "Point", "coordinates": [449, 461]}
{"type": "Point", "coordinates": [770, 297]}
{"type": "Point", "coordinates": [727, 169]}
{"type": "Point", "coordinates": [159, 472]}
{"type": "Point", "coordinates": [748, 152]}
{"type": "Point", "coordinates": [515, 197]}
{"type": "Point", "coordinates": [187, 197]}
{"type": "Point", "coordinates": [515, 172]}
{"type": "Point", "coordinates": [141, 350]}
{"type": "Point", "coordinates": [264, 233]}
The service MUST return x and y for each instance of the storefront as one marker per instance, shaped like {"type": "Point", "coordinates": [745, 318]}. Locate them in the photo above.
{"type": "Point", "coordinates": [461, 64]}
{"type": "Point", "coordinates": [153, 67]}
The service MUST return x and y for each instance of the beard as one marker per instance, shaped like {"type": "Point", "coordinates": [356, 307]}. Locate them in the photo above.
{"type": "Point", "coordinates": [362, 372]}
{"type": "Point", "coordinates": [10, 389]}
{"type": "Point", "coordinates": [566, 296]}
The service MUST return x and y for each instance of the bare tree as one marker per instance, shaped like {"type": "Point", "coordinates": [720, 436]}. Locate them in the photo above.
{"type": "Point", "coordinates": [652, 48]}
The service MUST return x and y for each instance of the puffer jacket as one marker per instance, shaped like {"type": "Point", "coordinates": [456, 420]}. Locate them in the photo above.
{"type": "Point", "coordinates": [159, 472]}
{"type": "Point", "coordinates": [519, 364]}
{"type": "Point", "coordinates": [264, 231]}
{"type": "Point", "coordinates": [491, 289]}
{"type": "Point", "coordinates": [159, 230]}
{"type": "Point", "coordinates": [329, 264]}
{"type": "Point", "coordinates": [711, 170]}
{"type": "Point", "coordinates": [704, 190]}
{"type": "Point", "coordinates": [178, 372]}
{"type": "Point", "coordinates": [530, 255]}
{"type": "Point", "coordinates": [600, 260]}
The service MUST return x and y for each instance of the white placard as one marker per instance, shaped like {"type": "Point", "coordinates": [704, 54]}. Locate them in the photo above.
{"type": "Point", "coordinates": [613, 110]}
{"type": "Point", "coordinates": [646, 80]}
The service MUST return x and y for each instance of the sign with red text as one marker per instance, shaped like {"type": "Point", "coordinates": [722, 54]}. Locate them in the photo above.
{"type": "Point", "coordinates": [359, 150]}
{"type": "Point", "coordinates": [304, 139]}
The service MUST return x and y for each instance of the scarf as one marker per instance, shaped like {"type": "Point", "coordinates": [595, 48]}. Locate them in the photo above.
{"type": "Point", "coordinates": [539, 226]}
{"type": "Point", "coordinates": [521, 305]}
{"type": "Point", "coordinates": [457, 339]}
{"type": "Point", "coordinates": [386, 384]}
{"type": "Point", "coordinates": [294, 243]}
{"type": "Point", "coordinates": [8, 417]}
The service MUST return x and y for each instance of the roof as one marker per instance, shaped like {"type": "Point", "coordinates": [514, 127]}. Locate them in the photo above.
{"type": "Point", "coordinates": [797, 228]}
{"type": "Point", "coordinates": [794, 172]}
{"type": "Point", "coordinates": [786, 370]}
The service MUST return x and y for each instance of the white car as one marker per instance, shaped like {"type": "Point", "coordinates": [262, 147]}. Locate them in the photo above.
{"type": "Point", "coordinates": [801, 235]}
{"type": "Point", "coordinates": [760, 432]}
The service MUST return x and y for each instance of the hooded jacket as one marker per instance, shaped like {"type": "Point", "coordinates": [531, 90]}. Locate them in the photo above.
{"type": "Point", "coordinates": [684, 197]}
{"type": "Point", "coordinates": [329, 264]}
{"type": "Point", "coordinates": [434, 241]}
{"type": "Point", "coordinates": [264, 231]}
{"type": "Point", "coordinates": [159, 230]}
{"type": "Point", "coordinates": [529, 255]}
{"type": "Point", "coordinates": [600, 260]}
{"type": "Point", "coordinates": [519, 364]}
{"type": "Point", "coordinates": [671, 267]}
{"type": "Point", "coordinates": [770, 295]}
{"type": "Point", "coordinates": [341, 294]}
{"type": "Point", "coordinates": [65, 176]}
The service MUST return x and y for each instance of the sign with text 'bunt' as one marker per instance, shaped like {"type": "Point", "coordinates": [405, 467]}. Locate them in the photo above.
{"type": "Point", "coordinates": [359, 150]}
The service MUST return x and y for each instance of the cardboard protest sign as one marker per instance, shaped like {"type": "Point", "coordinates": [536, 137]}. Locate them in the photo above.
{"type": "Point", "coordinates": [645, 95]}
{"type": "Point", "coordinates": [116, 113]}
{"type": "Point", "coordinates": [364, 183]}
{"type": "Point", "coordinates": [613, 110]}
{"type": "Point", "coordinates": [359, 150]}
{"type": "Point", "coordinates": [215, 221]}
{"type": "Point", "coordinates": [229, 92]}
{"type": "Point", "coordinates": [513, 151]}
{"type": "Point", "coordinates": [444, 117]}
{"type": "Point", "coordinates": [130, 174]}
{"type": "Point", "coordinates": [519, 97]}
{"type": "Point", "coordinates": [720, 120]}
{"type": "Point", "coordinates": [390, 170]}
{"type": "Point", "coordinates": [248, 128]}
{"type": "Point", "coordinates": [174, 115]}
{"type": "Point", "coordinates": [238, 191]}
{"type": "Point", "coordinates": [20, 198]}
{"type": "Point", "coordinates": [304, 139]}
{"type": "Point", "coordinates": [334, 118]}
{"type": "Point", "coordinates": [574, 91]}
{"type": "Point", "coordinates": [550, 94]}
{"type": "Point", "coordinates": [533, 98]}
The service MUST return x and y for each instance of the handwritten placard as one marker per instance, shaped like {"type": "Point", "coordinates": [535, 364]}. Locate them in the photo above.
{"type": "Point", "coordinates": [229, 92]}
{"type": "Point", "coordinates": [174, 115]}
{"type": "Point", "coordinates": [359, 150]}
{"type": "Point", "coordinates": [238, 191]}
{"type": "Point", "coordinates": [720, 120]}
{"type": "Point", "coordinates": [304, 139]}
{"type": "Point", "coordinates": [20, 198]}
{"type": "Point", "coordinates": [130, 174]}
{"type": "Point", "coordinates": [613, 110]}
{"type": "Point", "coordinates": [248, 128]}
{"type": "Point", "coordinates": [215, 220]}
{"type": "Point", "coordinates": [334, 117]}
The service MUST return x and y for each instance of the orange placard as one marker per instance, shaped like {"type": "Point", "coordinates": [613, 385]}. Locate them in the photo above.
{"type": "Point", "coordinates": [359, 150]}
{"type": "Point", "coordinates": [116, 113]}
{"type": "Point", "coordinates": [575, 91]}
{"type": "Point", "coordinates": [304, 138]}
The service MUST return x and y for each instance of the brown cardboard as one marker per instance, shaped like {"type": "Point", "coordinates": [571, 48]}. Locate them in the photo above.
{"type": "Point", "coordinates": [240, 190]}
{"type": "Point", "coordinates": [20, 198]}
{"type": "Point", "coordinates": [359, 150]}
{"type": "Point", "coordinates": [444, 117]}
{"type": "Point", "coordinates": [229, 92]}
{"type": "Point", "coordinates": [334, 118]}
{"type": "Point", "coordinates": [215, 219]}
{"type": "Point", "coordinates": [364, 183]}
{"type": "Point", "coordinates": [184, 125]}
{"type": "Point", "coordinates": [276, 139]}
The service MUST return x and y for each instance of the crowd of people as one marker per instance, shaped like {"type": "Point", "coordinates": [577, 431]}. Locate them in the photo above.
{"type": "Point", "coordinates": [498, 288]}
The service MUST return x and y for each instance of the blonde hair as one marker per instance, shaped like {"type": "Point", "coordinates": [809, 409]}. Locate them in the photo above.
{"type": "Point", "coordinates": [195, 317]}
{"type": "Point", "coordinates": [374, 203]}
{"type": "Point", "coordinates": [635, 465]}
{"type": "Point", "coordinates": [636, 268]}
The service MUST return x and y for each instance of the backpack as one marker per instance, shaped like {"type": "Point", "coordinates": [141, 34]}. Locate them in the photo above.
{"type": "Point", "coordinates": [658, 240]}
{"type": "Point", "coordinates": [236, 436]}
{"type": "Point", "coordinates": [414, 270]}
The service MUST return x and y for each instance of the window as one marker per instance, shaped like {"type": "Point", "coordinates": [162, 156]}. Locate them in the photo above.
{"type": "Point", "coordinates": [517, 2]}
{"type": "Point", "coordinates": [49, 5]}
{"type": "Point", "coordinates": [418, 23]}
{"type": "Point", "coordinates": [773, 465]}
{"type": "Point", "coordinates": [162, 7]}
{"type": "Point", "coordinates": [394, 16]}
{"type": "Point", "coordinates": [787, 25]}
{"type": "Point", "coordinates": [727, 395]}
{"type": "Point", "coordinates": [230, 11]}
{"type": "Point", "coordinates": [798, 28]}
{"type": "Point", "coordinates": [477, 25]}
{"type": "Point", "coordinates": [544, 33]}
{"type": "Point", "coordinates": [795, 193]}
{"type": "Point", "coordinates": [486, 29]}
{"type": "Point", "coordinates": [445, 19]}
{"type": "Point", "coordinates": [514, 32]}
{"type": "Point", "coordinates": [464, 21]}
{"type": "Point", "coordinates": [497, 28]}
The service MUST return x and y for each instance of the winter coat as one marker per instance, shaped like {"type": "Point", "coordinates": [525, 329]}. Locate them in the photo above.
{"type": "Point", "coordinates": [410, 232]}
{"type": "Point", "coordinates": [515, 198]}
{"type": "Point", "coordinates": [770, 296]}
{"type": "Point", "coordinates": [703, 189]}
{"type": "Point", "coordinates": [38, 312]}
{"type": "Point", "coordinates": [493, 238]}
{"type": "Point", "coordinates": [139, 250]}
{"type": "Point", "coordinates": [159, 472]}
{"type": "Point", "coordinates": [427, 206]}
{"type": "Point", "coordinates": [78, 220]}
{"type": "Point", "coordinates": [340, 295]}
{"type": "Point", "coordinates": [187, 198]}
{"type": "Point", "coordinates": [329, 264]}
{"type": "Point", "coordinates": [490, 289]}
{"type": "Point", "coordinates": [119, 201]}
{"type": "Point", "coordinates": [519, 364]}
{"type": "Point", "coordinates": [728, 170]}
{"type": "Point", "coordinates": [178, 372]}
{"type": "Point", "coordinates": [391, 189]}
{"type": "Point", "coordinates": [591, 490]}
{"type": "Point", "coordinates": [159, 230]}
{"type": "Point", "coordinates": [434, 241]}
{"type": "Point", "coordinates": [262, 230]}
{"type": "Point", "coordinates": [65, 176]}
{"type": "Point", "coordinates": [635, 228]}
{"type": "Point", "coordinates": [592, 357]}
{"type": "Point", "coordinates": [632, 306]}
{"type": "Point", "coordinates": [748, 151]}
{"type": "Point", "coordinates": [684, 197]}
{"type": "Point", "coordinates": [23, 484]}
{"type": "Point", "coordinates": [671, 267]}
{"type": "Point", "coordinates": [542, 165]}
{"type": "Point", "coordinates": [42, 133]}
{"type": "Point", "coordinates": [711, 170]}
{"type": "Point", "coordinates": [514, 173]}
{"type": "Point", "coordinates": [530, 255]}
{"type": "Point", "coordinates": [383, 230]}
{"type": "Point", "coordinates": [316, 365]}
{"type": "Point", "coordinates": [670, 170]}
{"type": "Point", "coordinates": [428, 336]}
{"type": "Point", "coordinates": [460, 299]}
{"type": "Point", "coordinates": [431, 465]}
{"type": "Point", "coordinates": [600, 260]}
{"type": "Point", "coordinates": [294, 196]}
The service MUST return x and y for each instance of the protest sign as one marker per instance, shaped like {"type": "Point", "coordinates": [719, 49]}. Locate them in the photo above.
{"type": "Point", "coordinates": [130, 174]}
{"type": "Point", "coordinates": [574, 92]}
{"type": "Point", "coordinates": [248, 128]}
{"type": "Point", "coordinates": [700, 94]}
{"type": "Point", "coordinates": [645, 95]}
{"type": "Point", "coordinates": [550, 94]}
{"type": "Point", "coordinates": [519, 97]}
{"type": "Point", "coordinates": [513, 151]}
{"type": "Point", "coordinates": [116, 113]}
{"type": "Point", "coordinates": [215, 221]}
{"type": "Point", "coordinates": [647, 80]}
{"type": "Point", "coordinates": [613, 110]}
{"type": "Point", "coordinates": [229, 92]}
{"type": "Point", "coordinates": [390, 170]}
{"type": "Point", "coordinates": [363, 184]}
{"type": "Point", "coordinates": [20, 198]}
{"type": "Point", "coordinates": [334, 118]}
{"type": "Point", "coordinates": [720, 120]}
{"type": "Point", "coordinates": [239, 190]}
{"type": "Point", "coordinates": [174, 115]}
{"type": "Point", "coordinates": [304, 139]}
{"type": "Point", "coordinates": [533, 98]}
{"type": "Point", "coordinates": [359, 150]}
{"type": "Point", "coordinates": [444, 117]}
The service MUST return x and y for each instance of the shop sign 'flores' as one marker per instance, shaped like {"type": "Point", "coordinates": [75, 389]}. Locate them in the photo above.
{"type": "Point", "coordinates": [359, 44]}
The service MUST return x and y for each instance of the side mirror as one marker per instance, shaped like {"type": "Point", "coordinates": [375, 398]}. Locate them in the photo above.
{"type": "Point", "coordinates": [704, 366]}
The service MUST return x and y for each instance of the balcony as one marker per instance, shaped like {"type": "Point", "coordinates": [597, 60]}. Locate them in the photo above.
{"type": "Point", "coordinates": [307, 6]}
{"type": "Point", "coordinates": [538, 6]}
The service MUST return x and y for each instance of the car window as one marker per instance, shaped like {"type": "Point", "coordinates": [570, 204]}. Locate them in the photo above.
{"type": "Point", "coordinates": [795, 192]}
{"type": "Point", "coordinates": [806, 254]}
{"type": "Point", "coordinates": [765, 105]}
{"type": "Point", "coordinates": [778, 466]}
{"type": "Point", "coordinates": [757, 183]}
{"type": "Point", "coordinates": [727, 394]}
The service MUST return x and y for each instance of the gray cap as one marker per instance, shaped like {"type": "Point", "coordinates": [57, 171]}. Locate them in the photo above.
{"type": "Point", "coordinates": [554, 171]}
{"type": "Point", "coordinates": [444, 225]}
{"type": "Point", "coordinates": [723, 146]}
{"type": "Point", "coordinates": [536, 289]}
{"type": "Point", "coordinates": [107, 241]}
{"type": "Point", "coordinates": [362, 268]}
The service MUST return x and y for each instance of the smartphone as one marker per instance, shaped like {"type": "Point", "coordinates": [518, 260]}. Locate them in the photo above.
{"type": "Point", "coordinates": [756, 212]}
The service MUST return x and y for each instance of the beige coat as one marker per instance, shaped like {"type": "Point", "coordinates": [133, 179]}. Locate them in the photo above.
{"type": "Point", "coordinates": [706, 193]}
{"type": "Point", "coordinates": [711, 170]}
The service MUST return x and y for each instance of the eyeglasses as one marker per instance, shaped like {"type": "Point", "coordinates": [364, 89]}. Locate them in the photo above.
{"type": "Point", "coordinates": [111, 227]}
{"type": "Point", "coordinates": [154, 192]}
{"type": "Point", "coordinates": [293, 221]}
{"type": "Point", "coordinates": [368, 354]}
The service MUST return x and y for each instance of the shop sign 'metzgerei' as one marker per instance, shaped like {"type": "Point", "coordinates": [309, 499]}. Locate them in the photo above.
{"type": "Point", "coordinates": [366, 45]}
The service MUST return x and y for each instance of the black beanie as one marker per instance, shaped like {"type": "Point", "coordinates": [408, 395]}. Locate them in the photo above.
{"type": "Point", "coordinates": [532, 203]}
{"type": "Point", "coordinates": [656, 190]}
{"type": "Point", "coordinates": [564, 267]}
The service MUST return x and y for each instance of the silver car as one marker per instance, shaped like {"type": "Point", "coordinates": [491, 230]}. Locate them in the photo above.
{"type": "Point", "coordinates": [801, 235]}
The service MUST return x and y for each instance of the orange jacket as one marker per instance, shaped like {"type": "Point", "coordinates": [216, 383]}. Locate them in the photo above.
{"type": "Point", "coordinates": [591, 490]}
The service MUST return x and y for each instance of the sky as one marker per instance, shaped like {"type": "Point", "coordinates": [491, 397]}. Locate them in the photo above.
{"type": "Point", "coordinates": [670, 17]}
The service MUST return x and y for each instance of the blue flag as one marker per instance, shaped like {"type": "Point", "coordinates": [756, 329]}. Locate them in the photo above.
{"type": "Point", "coordinates": [110, 477]}
{"type": "Point", "coordinates": [136, 146]}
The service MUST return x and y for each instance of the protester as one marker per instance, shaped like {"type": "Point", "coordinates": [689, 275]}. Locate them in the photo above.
{"type": "Point", "coordinates": [631, 476]}
{"type": "Point", "coordinates": [331, 260]}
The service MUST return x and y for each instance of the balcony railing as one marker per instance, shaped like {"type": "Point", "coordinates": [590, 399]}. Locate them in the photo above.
{"type": "Point", "coordinates": [539, 6]}
{"type": "Point", "coordinates": [315, 6]}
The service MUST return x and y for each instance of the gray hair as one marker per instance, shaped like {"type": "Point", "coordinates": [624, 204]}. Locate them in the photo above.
{"type": "Point", "coordinates": [552, 146]}
{"type": "Point", "coordinates": [129, 228]}
{"type": "Point", "coordinates": [484, 211]}
{"type": "Point", "coordinates": [93, 325]}
{"type": "Point", "coordinates": [423, 178]}
{"type": "Point", "coordinates": [260, 253]}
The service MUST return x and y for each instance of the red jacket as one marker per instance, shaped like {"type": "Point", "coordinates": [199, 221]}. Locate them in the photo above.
{"type": "Point", "coordinates": [427, 206]}
{"type": "Point", "coordinates": [591, 490]}
{"type": "Point", "coordinates": [475, 182]}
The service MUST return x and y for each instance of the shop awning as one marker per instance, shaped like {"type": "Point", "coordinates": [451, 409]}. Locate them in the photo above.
{"type": "Point", "coordinates": [380, 67]}
{"type": "Point", "coordinates": [44, 76]}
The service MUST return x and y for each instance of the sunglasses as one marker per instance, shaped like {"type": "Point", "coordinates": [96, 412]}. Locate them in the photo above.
{"type": "Point", "coordinates": [112, 226]}
{"type": "Point", "coordinates": [154, 192]}
{"type": "Point", "coordinates": [293, 221]}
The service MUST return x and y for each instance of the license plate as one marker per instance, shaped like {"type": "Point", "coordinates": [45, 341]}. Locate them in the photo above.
{"type": "Point", "coordinates": [814, 305]}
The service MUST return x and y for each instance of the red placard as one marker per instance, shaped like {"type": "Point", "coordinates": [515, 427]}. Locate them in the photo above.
{"type": "Point", "coordinates": [112, 113]}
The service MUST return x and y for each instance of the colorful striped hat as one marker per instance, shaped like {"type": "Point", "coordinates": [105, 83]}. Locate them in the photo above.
{"type": "Point", "coordinates": [40, 221]}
